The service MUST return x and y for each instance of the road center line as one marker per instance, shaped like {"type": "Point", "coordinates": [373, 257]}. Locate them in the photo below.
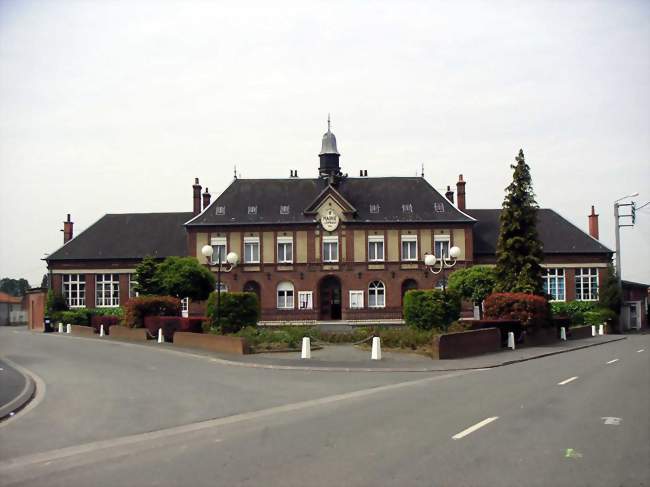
{"type": "Point", "coordinates": [570, 379]}
{"type": "Point", "coordinates": [471, 429]}
{"type": "Point", "coordinates": [642, 350]}
{"type": "Point", "coordinates": [612, 361]}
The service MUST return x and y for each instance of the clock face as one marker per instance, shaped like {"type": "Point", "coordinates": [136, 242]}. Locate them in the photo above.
{"type": "Point", "coordinates": [330, 220]}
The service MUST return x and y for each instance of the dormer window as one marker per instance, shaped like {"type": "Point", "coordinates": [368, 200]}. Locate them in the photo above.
{"type": "Point", "coordinates": [407, 208]}
{"type": "Point", "coordinates": [220, 210]}
{"type": "Point", "coordinates": [439, 207]}
{"type": "Point", "coordinates": [374, 208]}
{"type": "Point", "coordinates": [252, 210]}
{"type": "Point", "coordinates": [284, 209]}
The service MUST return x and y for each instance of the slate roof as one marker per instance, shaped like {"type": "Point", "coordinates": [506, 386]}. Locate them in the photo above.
{"type": "Point", "coordinates": [558, 235]}
{"type": "Point", "coordinates": [388, 195]}
{"type": "Point", "coordinates": [128, 236]}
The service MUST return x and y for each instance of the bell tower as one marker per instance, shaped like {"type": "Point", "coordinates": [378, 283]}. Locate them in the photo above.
{"type": "Point", "coordinates": [329, 155]}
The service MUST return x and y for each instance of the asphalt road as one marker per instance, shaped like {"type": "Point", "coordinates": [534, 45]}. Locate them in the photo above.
{"type": "Point", "coordinates": [114, 414]}
{"type": "Point", "coordinates": [11, 383]}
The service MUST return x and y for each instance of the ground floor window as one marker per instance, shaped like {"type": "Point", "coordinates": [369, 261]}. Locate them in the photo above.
{"type": "Point", "coordinates": [107, 290]}
{"type": "Point", "coordinates": [305, 300]}
{"type": "Point", "coordinates": [285, 295]}
{"type": "Point", "coordinates": [133, 284]}
{"type": "Point", "coordinates": [587, 284]}
{"type": "Point", "coordinates": [554, 284]}
{"type": "Point", "coordinates": [74, 290]}
{"type": "Point", "coordinates": [376, 295]}
{"type": "Point", "coordinates": [356, 299]}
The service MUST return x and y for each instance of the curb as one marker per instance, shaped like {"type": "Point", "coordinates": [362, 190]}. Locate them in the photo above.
{"type": "Point", "coordinates": [21, 400]}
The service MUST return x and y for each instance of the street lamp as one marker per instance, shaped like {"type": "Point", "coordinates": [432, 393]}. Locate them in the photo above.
{"type": "Point", "coordinates": [231, 261]}
{"type": "Point", "coordinates": [444, 262]}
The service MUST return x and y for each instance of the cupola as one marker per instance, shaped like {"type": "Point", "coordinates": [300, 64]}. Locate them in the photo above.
{"type": "Point", "coordinates": [329, 154]}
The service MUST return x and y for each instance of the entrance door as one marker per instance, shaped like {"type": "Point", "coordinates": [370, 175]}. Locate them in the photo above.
{"type": "Point", "coordinates": [330, 298]}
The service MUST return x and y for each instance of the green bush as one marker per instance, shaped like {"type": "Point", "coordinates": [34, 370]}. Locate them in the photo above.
{"type": "Point", "coordinates": [238, 310]}
{"type": "Point", "coordinates": [55, 303]}
{"type": "Point", "coordinates": [574, 310]}
{"type": "Point", "coordinates": [431, 308]}
{"type": "Point", "coordinates": [137, 308]}
{"type": "Point", "coordinates": [405, 337]}
{"type": "Point", "coordinates": [599, 316]}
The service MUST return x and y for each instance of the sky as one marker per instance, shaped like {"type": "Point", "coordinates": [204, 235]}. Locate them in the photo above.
{"type": "Point", "coordinates": [116, 106]}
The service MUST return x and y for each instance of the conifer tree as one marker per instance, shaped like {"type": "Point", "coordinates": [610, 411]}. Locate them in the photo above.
{"type": "Point", "coordinates": [519, 250]}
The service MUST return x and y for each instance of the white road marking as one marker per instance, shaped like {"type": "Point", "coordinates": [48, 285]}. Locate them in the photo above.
{"type": "Point", "coordinates": [471, 429]}
{"type": "Point", "coordinates": [642, 350]}
{"type": "Point", "coordinates": [612, 361]}
{"type": "Point", "coordinates": [570, 379]}
{"type": "Point", "coordinates": [612, 420]}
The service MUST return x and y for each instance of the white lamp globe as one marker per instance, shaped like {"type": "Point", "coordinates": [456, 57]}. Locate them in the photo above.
{"type": "Point", "coordinates": [429, 260]}
{"type": "Point", "coordinates": [454, 252]}
{"type": "Point", "coordinates": [232, 258]}
{"type": "Point", "coordinates": [207, 251]}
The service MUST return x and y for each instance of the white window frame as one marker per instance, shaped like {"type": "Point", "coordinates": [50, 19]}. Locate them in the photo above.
{"type": "Point", "coordinates": [110, 285]}
{"type": "Point", "coordinates": [374, 289]}
{"type": "Point", "coordinates": [356, 299]}
{"type": "Point", "coordinates": [558, 275]}
{"type": "Point", "coordinates": [409, 239]}
{"type": "Point", "coordinates": [132, 284]}
{"type": "Point", "coordinates": [283, 242]}
{"type": "Point", "coordinates": [74, 290]}
{"type": "Point", "coordinates": [373, 241]}
{"type": "Point", "coordinates": [442, 239]}
{"type": "Point", "coordinates": [587, 274]}
{"type": "Point", "coordinates": [306, 298]}
{"type": "Point", "coordinates": [252, 242]}
{"type": "Point", "coordinates": [224, 287]}
{"type": "Point", "coordinates": [217, 242]}
{"type": "Point", "coordinates": [330, 239]}
{"type": "Point", "coordinates": [185, 307]}
{"type": "Point", "coordinates": [284, 294]}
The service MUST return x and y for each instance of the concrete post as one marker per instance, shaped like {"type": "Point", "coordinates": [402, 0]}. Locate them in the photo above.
{"type": "Point", "coordinates": [593, 330]}
{"type": "Point", "coordinates": [60, 327]}
{"type": "Point", "coordinates": [306, 348]}
{"type": "Point", "coordinates": [601, 330]}
{"type": "Point", "coordinates": [511, 340]}
{"type": "Point", "coordinates": [376, 349]}
{"type": "Point", "coordinates": [68, 328]}
{"type": "Point", "coordinates": [101, 330]}
{"type": "Point", "coordinates": [562, 333]}
{"type": "Point", "coordinates": [160, 335]}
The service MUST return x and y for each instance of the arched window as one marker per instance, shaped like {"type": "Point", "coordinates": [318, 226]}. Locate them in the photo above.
{"type": "Point", "coordinates": [376, 295]}
{"type": "Point", "coordinates": [285, 295]}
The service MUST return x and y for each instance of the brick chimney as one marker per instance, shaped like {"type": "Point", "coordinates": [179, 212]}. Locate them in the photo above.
{"type": "Point", "coordinates": [593, 223]}
{"type": "Point", "coordinates": [450, 195]}
{"type": "Point", "coordinates": [206, 198]}
{"type": "Point", "coordinates": [196, 199]}
{"type": "Point", "coordinates": [460, 192]}
{"type": "Point", "coordinates": [68, 232]}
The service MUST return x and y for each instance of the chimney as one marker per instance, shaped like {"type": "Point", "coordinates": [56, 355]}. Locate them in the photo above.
{"type": "Point", "coordinates": [196, 199]}
{"type": "Point", "coordinates": [460, 192]}
{"type": "Point", "coordinates": [450, 195]}
{"type": "Point", "coordinates": [67, 230]}
{"type": "Point", "coordinates": [206, 198]}
{"type": "Point", "coordinates": [593, 223]}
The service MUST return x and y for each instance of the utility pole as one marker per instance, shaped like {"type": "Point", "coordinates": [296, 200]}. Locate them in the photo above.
{"type": "Point", "coordinates": [617, 229]}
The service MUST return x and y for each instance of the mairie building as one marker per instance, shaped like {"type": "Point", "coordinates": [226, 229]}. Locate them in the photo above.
{"type": "Point", "coordinates": [331, 247]}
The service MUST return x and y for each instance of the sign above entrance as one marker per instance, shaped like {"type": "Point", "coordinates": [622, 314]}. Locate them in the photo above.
{"type": "Point", "coordinates": [330, 220]}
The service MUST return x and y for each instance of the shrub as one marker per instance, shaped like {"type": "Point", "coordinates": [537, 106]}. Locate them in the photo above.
{"type": "Point", "coordinates": [55, 302]}
{"type": "Point", "coordinates": [405, 337]}
{"type": "Point", "coordinates": [238, 310]}
{"type": "Point", "coordinates": [76, 317]}
{"type": "Point", "coordinates": [172, 324]}
{"type": "Point", "coordinates": [474, 283]}
{"type": "Point", "coordinates": [431, 308]}
{"type": "Point", "coordinates": [573, 310]}
{"type": "Point", "coordinates": [137, 309]}
{"type": "Point", "coordinates": [184, 277]}
{"type": "Point", "coordinates": [530, 309]}
{"type": "Point", "coordinates": [598, 316]}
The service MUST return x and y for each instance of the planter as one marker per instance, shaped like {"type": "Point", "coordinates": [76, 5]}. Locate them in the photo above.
{"type": "Point", "coordinates": [466, 343]}
{"type": "Point", "coordinates": [126, 333]}
{"type": "Point", "coordinates": [171, 325]}
{"type": "Point", "coordinates": [580, 332]}
{"type": "Point", "coordinates": [81, 330]}
{"type": "Point", "coordinates": [214, 343]}
{"type": "Point", "coordinates": [540, 336]}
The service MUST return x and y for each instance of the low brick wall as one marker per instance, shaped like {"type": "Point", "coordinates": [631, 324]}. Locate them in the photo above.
{"type": "Point", "coordinates": [541, 336]}
{"type": "Point", "coordinates": [466, 343]}
{"type": "Point", "coordinates": [580, 332]}
{"type": "Point", "coordinates": [80, 330]}
{"type": "Point", "coordinates": [126, 333]}
{"type": "Point", "coordinates": [215, 343]}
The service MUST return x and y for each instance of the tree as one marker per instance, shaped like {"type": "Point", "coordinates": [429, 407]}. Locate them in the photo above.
{"type": "Point", "coordinates": [519, 250]}
{"type": "Point", "coordinates": [145, 276]}
{"type": "Point", "coordinates": [474, 283]}
{"type": "Point", "coordinates": [610, 295]}
{"type": "Point", "coordinates": [45, 282]}
{"type": "Point", "coordinates": [184, 277]}
{"type": "Point", "coordinates": [15, 287]}
{"type": "Point", "coordinates": [431, 308]}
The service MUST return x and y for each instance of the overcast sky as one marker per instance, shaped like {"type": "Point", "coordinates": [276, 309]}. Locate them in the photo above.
{"type": "Point", "coordinates": [109, 107]}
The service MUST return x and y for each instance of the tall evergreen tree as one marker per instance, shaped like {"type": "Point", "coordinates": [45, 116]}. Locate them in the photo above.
{"type": "Point", "coordinates": [519, 250]}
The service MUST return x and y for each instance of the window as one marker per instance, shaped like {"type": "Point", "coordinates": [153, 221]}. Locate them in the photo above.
{"type": "Point", "coordinates": [439, 207]}
{"type": "Point", "coordinates": [305, 300]}
{"type": "Point", "coordinates": [219, 248]}
{"type": "Point", "coordinates": [185, 307]}
{"type": "Point", "coordinates": [587, 284]}
{"type": "Point", "coordinates": [409, 247]}
{"type": "Point", "coordinates": [132, 285]}
{"type": "Point", "coordinates": [554, 284]}
{"type": "Point", "coordinates": [285, 250]}
{"type": "Point", "coordinates": [376, 295]}
{"type": "Point", "coordinates": [375, 208]}
{"type": "Point", "coordinates": [252, 210]}
{"type": "Point", "coordinates": [285, 295]}
{"type": "Point", "coordinates": [220, 210]}
{"type": "Point", "coordinates": [375, 248]}
{"type": "Point", "coordinates": [407, 208]}
{"type": "Point", "coordinates": [330, 249]}
{"type": "Point", "coordinates": [221, 287]}
{"type": "Point", "coordinates": [252, 250]}
{"type": "Point", "coordinates": [107, 290]}
{"type": "Point", "coordinates": [74, 290]}
{"type": "Point", "coordinates": [441, 246]}
{"type": "Point", "coordinates": [356, 299]}
{"type": "Point", "coordinates": [284, 209]}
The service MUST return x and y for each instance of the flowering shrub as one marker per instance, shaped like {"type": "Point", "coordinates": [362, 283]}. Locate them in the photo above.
{"type": "Point", "coordinates": [530, 309]}
{"type": "Point", "coordinates": [137, 309]}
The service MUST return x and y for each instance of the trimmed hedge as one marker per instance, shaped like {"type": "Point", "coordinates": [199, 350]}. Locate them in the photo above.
{"type": "Point", "coordinates": [529, 309]}
{"type": "Point", "coordinates": [238, 310]}
{"type": "Point", "coordinates": [582, 312]}
{"type": "Point", "coordinates": [85, 316]}
{"type": "Point", "coordinates": [137, 309]}
{"type": "Point", "coordinates": [427, 309]}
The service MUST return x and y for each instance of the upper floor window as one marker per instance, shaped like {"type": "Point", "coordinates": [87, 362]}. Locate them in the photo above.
{"type": "Point", "coordinates": [376, 295]}
{"type": "Point", "coordinates": [375, 248]}
{"type": "Point", "coordinates": [284, 209]}
{"type": "Point", "coordinates": [407, 208]}
{"type": "Point", "coordinates": [330, 248]}
{"type": "Point", "coordinates": [441, 246]}
{"type": "Point", "coordinates": [252, 210]}
{"type": "Point", "coordinates": [74, 290]}
{"type": "Point", "coordinates": [251, 250]}
{"type": "Point", "coordinates": [220, 210]}
{"type": "Point", "coordinates": [285, 250]}
{"type": "Point", "coordinates": [374, 208]}
{"type": "Point", "coordinates": [285, 295]}
{"type": "Point", "coordinates": [409, 247]}
{"type": "Point", "coordinates": [587, 284]}
{"type": "Point", "coordinates": [107, 290]}
{"type": "Point", "coordinates": [438, 207]}
{"type": "Point", "coordinates": [553, 280]}
{"type": "Point", "coordinates": [219, 248]}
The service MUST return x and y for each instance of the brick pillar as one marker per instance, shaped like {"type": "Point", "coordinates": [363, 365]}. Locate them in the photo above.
{"type": "Point", "coordinates": [206, 199]}
{"type": "Point", "coordinates": [68, 232]}
{"type": "Point", "coordinates": [593, 223]}
{"type": "Point", "coordinates": [196, 197]}
{"type": "Point", "coordinates": [460, 192]}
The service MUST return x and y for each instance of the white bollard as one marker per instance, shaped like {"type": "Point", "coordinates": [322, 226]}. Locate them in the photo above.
{"type": "Point", "coordinates": [306, 348]}
{"type": "Point", "coordinates": [68, 328]}
{"type": "Point", "coordinates": [511, 340]}
{"type": "Point", "coordinates": [60, 327]}
{"type": "Point", "coordinates": [562, 333]}
{"type": "Point", "coordinates": [601, 330]}
{"type": "Point", "coordinates": [101, 330]}
{"type": "Point", "coordinates": [376, 349]}
{"type": "Point", "coordinates": [160, 335]}
{"type": "Point", "coordinates": [593, 330]}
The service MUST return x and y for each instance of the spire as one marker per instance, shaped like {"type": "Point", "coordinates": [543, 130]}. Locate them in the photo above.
{"type": "Point", "coordinates": [329, 123]}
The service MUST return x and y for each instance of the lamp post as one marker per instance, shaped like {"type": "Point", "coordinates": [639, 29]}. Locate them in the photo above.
{"type": "Point", "coordinates": [444, 263]}
{"type": "Point", "coordinates": [231, 261]}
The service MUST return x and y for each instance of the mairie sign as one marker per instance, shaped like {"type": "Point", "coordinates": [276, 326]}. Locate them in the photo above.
{"type": "Point", "coordinates": [330, 220]}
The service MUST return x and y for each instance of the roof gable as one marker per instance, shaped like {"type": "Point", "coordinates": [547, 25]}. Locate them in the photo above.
{"type": "Point", "coordinates": [327, 196]}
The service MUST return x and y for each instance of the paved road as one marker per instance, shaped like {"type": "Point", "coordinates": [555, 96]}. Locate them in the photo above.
{"type": "Point", "coordinates": [12, 383]}
{"type": "Point", "coordinates": [124, 415]}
